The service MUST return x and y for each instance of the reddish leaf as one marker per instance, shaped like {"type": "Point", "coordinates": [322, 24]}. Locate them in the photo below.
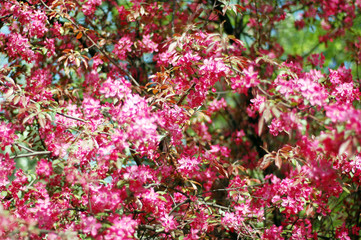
{"type": "Point", "coordinates": [79, 35]}
{"type": "Point", "coordinates": [265, 161]}
{"type": "Point", "coordinates": [240, 8]}
{"type": "Point", "coordinates": [9, 93]}
{"type": "Point", "coordinates": [278, 160]}
{"type": "Point", "coordinates": [41, 120]}
{"type": "Point", "coordinates": [345, 147]}
{"type": "Point", "coordinates": [260, 125]}
{"type": "Point", "coordinates": [16, 100]}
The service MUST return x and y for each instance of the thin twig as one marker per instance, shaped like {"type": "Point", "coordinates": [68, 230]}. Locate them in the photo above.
{"type": "Point", "coordinates": [311, 50]}
{"type": "Point", "coordinates": [215, 205]}
{"type": "Point", "coordinates": [180, 204]}
{"type": "Point", "coordinates": [173, 13]}
{"type": "Point", "coordinates": [135, 157]}
{"type": "Point", "coordinates": [5, 16]}
{"type": "Point", "coordinates": [185, 94]}
{"type": "Point", "coordinates": [26, 148]}
{"type": "Point", "coordinates": [89, 203]}
{"type": "Point", "coordinates": [70, 117]}
{"type": "Point", "coordinates": [147, 227]}
{"type": "Point", "coordinates": [31, 154]}
{"type": "Point", "coordinates": [109, 58]}
{"type": "Point", "coordinates": [96, 45]}
{"type": "Point", "coordinates": [65, 115]}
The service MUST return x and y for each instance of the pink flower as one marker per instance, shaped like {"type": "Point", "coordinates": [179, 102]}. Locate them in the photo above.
{"type": "Point", "coordinates": [148, 44]}
{"type": "Point", "coordinates": [214, 66]}
{"type": "Point", "coordinates": [152, 202]}
{"type": "Point", "coordinates": [34, 21]}
{"type": "Point", "coordinates": [123, 47]}
{"type": "Point", "coordinates": [7, 135]}
{"type": "Point", "coordinates": [90, 6]}
{"type": "Point", "coordinates": [232, 221]}
{"type": "Point", "coordinates": [188, 59]}
{"type": "Point", "coordinates": [102, 197]}
{"type": "Point", "coordinates": [273, 233]}
{"type": "Point", "coordinates": [97, 61]}
{"type": "Point", "coordinates": [7, 166]}
{"type": "Point", "coordinates": [19, 46]}
{"type": "Point", "coordinates": [36, 26]}
{"type": "Point", "coordinates": [168, 222]}
{"type": "Point", "coordinates": [193, 235]}
{"type": "Point", "coordinates": [341, 75]}
{"type": "Point", "coordinates": [91, 107]}
{"type": "Point", "coordinates": [299, 24]}
{"type": "Point", "coordinates": [188, 165]}
{"type": "Point", "coordinates": [50, 46]}
{"type": "Point", "coordinates": [346, 92]}
{"type": "Point", "coordinates": [358, 3]}
{"type": "Point", "coordinates": [253, 23]}
{"type": "Point", "coordinates": [238, 137]}
{"type": "Point", "coordinates": [45, 212]}
{"type": "Point", "coordinates": [247, 80]}
{"type": "Point", "coordinates": [115, 88]}
{"type": "Point", "coordinates": [123, 228]}
{"type": "Point", "coordinates": [216, 105]}
{"type": "Point", "coordinates": [44, 169]}
{"type": "Point", "coordinates": [340, 113]}
{"type": "Point", "coordinates": [276, 127]}
{"type": "Point", "coordinates": [302, 230]}
{"type": "Point", "coordinates": [325, 25]}
{"type": "Point", "coordinates": [317, 60]}
{"type": "Point", "coordinates": [312, 91]}
{"type": "Point", "coordinates": [90, 225]}
{"type": "Point", "coordinates": [257, 102]}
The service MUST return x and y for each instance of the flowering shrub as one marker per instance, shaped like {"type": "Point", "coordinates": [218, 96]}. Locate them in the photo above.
{"type": "Point", "coordinates": [180, 119]}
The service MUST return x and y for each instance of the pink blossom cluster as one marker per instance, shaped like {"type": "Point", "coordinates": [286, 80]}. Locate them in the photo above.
{"type": "Point", "coordinates": [123, 47]}
{"type": "Point", "coordinates": [90, 6]}
{"type": "Point", "coordinates": [248, 79]}
{"type": "Point", "coordinates": [7, 135]}
{"type": "Point", "coordinates": [143, 119]}
{"type": "Point", "coordinates": [19, 46]}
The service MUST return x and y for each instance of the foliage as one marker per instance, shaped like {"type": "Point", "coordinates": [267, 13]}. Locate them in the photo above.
{"type": "Point", "coordinates": [180, 119]}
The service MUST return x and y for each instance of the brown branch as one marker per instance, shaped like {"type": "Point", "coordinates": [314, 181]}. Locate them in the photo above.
{"type": "Point", "coordinates": [135, 157]}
